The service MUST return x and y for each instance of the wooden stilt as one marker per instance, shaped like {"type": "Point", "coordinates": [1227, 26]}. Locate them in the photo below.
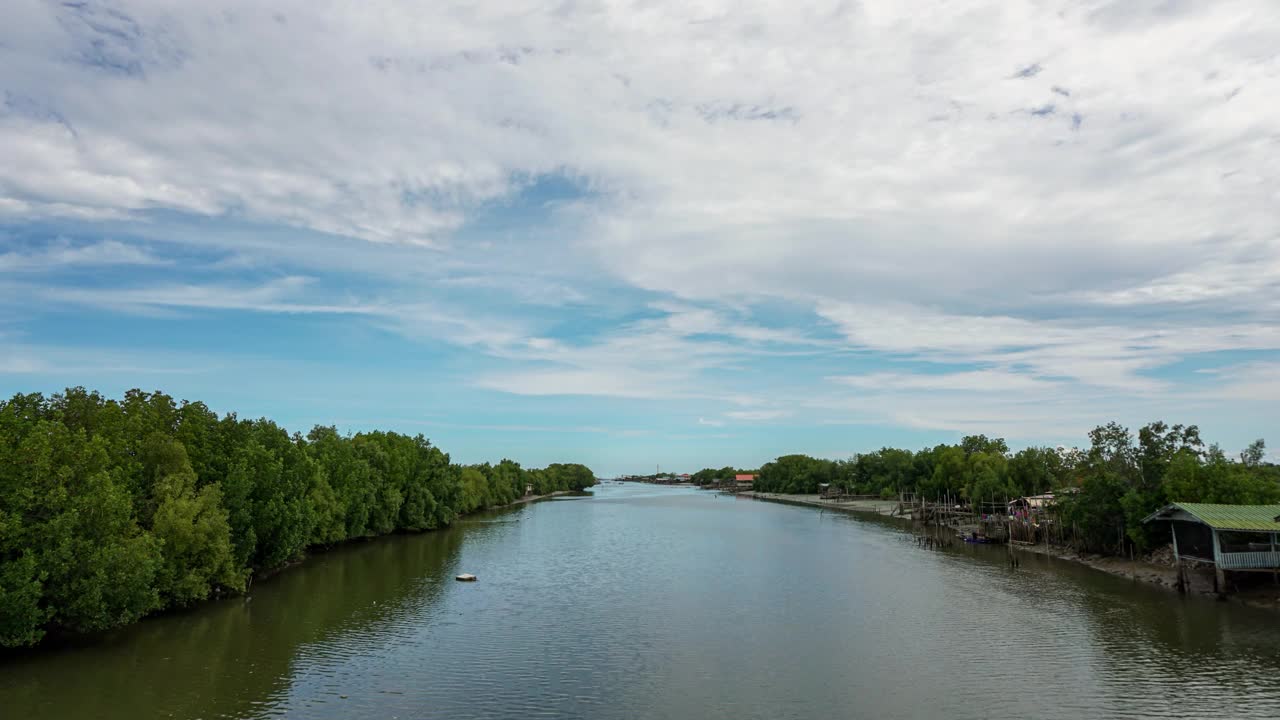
{"type": "Point", "coordinates": [1219, 576]}
{"type": "Point", "coordinates": [1181, 582]}
{"type": "Point", "coordinates": [1275, 574]}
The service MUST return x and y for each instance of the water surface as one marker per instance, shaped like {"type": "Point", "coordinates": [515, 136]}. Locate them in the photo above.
{"type": "Point", "coordinates": [647, 602]}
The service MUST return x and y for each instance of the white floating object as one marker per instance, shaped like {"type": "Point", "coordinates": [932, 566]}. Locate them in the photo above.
{"type": "Point", "coordinates": [466, 577]}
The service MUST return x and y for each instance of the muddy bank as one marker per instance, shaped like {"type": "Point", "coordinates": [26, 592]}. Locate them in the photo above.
{"type": "Point", "coordinates": [887, 508]}
{"type": "Point", "coordinates": [1255, 589]}
{"type": "Point", "coordinates": [532, 498]}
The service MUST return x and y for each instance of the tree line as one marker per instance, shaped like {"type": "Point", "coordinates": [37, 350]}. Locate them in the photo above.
{"type": "Point", "coordinates": [721, 476]}
{"type": "Point", "coordinates": [114, 509]}
{"type": "Point", "coordinates": [1111, 486]}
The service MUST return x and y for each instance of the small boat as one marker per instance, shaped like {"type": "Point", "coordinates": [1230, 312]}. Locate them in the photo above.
{"type": "Point", "coordinates": [466, 577]}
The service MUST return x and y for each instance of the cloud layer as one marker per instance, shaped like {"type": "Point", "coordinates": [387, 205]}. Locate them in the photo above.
{"type": "Point", "coordinates": [1024, 214]}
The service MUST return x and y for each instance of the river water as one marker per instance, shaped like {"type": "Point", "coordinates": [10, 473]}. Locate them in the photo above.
{"type": "Point", "coordinates": [648, 602]}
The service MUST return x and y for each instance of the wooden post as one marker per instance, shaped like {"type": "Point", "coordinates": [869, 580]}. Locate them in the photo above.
{"type": "Point", "coordinates": [1275, 574]}
{"type": "Point", "coordinates": [1219, 577]}
{"type": "Point", "coordinates": [1177, 558]}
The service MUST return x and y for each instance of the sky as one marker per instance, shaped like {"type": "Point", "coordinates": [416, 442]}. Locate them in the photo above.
{"type": "Point", "coordinates": [642, 234]}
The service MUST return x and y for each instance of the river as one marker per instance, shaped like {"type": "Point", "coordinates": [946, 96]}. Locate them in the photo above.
{"type": "Point", "coordinates": [650, 602]}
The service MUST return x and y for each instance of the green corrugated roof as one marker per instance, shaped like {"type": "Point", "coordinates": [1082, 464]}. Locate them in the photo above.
{"type": "Point", "coordinates": [1235, 517]}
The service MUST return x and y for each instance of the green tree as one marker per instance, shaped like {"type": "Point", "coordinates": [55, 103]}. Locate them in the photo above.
{"type": "Point", "coordinates": [794, 474]}
{"type": "Point", "coordinates": [329, 514]}
{"type": "Point", "coordinates": [266, 498]}
{"type": "Point", "coordinates": [196, 541]}
{"type": "Point", "coordinates": [99, 566]}
{"type": "Point", "coordinates": [348, 474]}
{"type": "Point", "coordinates": [973, 444]}
{"type": "Point", "coordinates": [1035, 470]}
{"type": "Point", "coordinates": [987, 482]}
{"type": "Point", "coordinates": [201, 435]}
{"type": "Point", "coordinates": [475, 491]}
{"type": "Point", "coordinates": [22, 615]}
{"type": "Point", "coordinates": [112, 509]}
{"type": "Point", "coordinates": [510, 478]}
{"type": "Point", "coordinates": [950, 473]}
{"type": "Point", "coordinates": [1253, 455]}
{"type": "Point", "coordinates": [1215, 479]}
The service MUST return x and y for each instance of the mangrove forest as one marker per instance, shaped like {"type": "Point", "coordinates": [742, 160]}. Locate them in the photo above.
{"type": "Point", "coordinates": [114, 509]}
{"type": "Point", "coordinates": [1104, 490]}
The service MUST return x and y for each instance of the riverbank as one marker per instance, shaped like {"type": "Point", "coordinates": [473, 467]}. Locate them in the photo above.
{"type": "Point", "coordinates": [1156, 569]}
{"type": "Point", "coordinates": [321, 549]}
{"type": "Point", "coordinates": [59, 640]}
{"type": "Point", "coordinates": [1199, 579]}
{"type": "Point", "coordinates": [531, 498]}
{"type": "Point", "coordinates": [888, 508]}
{"type": "Point", "coordinates": [875, 624]}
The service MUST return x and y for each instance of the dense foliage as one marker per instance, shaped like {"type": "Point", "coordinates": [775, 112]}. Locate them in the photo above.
{"type": "Point", "coordinates": [110, 510]}
{"type": "Point", "coordinates": [1111, 486]}
{"type": "Point", "coordinates": [712, 476]}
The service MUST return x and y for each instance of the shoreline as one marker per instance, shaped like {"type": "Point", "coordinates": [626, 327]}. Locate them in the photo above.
{"type": "Point", "coordinates": [1199, 575]}
{"type": "Point", "coordinates": [523, 500]}
{"type": "Point", "coordinates": [322, 549]}
{"type": "Point", "coordinates": [55, 642]}
{"type": "Point", "coordinates": [883, 508]}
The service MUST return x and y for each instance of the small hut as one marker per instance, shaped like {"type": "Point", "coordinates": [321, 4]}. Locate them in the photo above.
{"type": "Point", "coordinates": [1031, 503]}
{"type": "Point", "coordinates": [1233, 537]}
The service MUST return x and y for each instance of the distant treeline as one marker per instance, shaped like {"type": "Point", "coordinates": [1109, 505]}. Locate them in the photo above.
{"type": "Point", "coordinates": [723, 476]}
{"type": "Point", "coordinates": [1118, 480]}
{"type": "Point", "coordinates": [110, 510]}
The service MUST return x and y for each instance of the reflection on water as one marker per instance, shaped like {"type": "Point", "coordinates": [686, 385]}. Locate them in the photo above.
{"type": "Point", "coordinates": [644, 602]}
{"type": "Point", "coordinates": [233, 658]}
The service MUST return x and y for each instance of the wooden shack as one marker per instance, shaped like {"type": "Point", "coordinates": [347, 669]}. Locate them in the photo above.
{"type": "Point", "coordinates": [1031, 503]}
{"type": "Point", "coordinates": [1236, 538]}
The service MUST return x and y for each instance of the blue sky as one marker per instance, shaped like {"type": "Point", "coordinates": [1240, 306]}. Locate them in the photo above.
{"type": "Point", "coordinates": [633, 234]}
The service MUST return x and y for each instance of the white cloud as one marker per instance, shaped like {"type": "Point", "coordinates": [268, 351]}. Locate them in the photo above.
{"type": "Point", "coordinates": [585, 382]}
{"type": "Point", "coordinates": [757, 415]}
{"type": "Point", "coordinates": [810, 148]}
{"type": "Point", "coordinates": [690, 320]}
{"type": "Point", "coordinates": [296, 295]}
{"type": "Point", "coordinates": [1053, 201]}
{"type": "Point", "coordinates": [674, 355]}
{"type": "Point", "coordinates": [987, 381]}
{"type": "Point", "coordinates": [63, 253]}
{"type": "Point", "coordinates": [275, 296]}
{"type": "Point", "coordinates": [527, 289]}
{"type": "Point", "coordinates": [574, 429]}
{"type": "Point", "coordinates": [1111, 356]}
{"type": "Point", "coordinates": [14, 363]}
{"type": "Point", "coordinates": [25, 360]}
{"type": "Point", "coordinates": [1251, 382]}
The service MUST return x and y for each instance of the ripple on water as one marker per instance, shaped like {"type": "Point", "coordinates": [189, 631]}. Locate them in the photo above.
{"type": "Point", "coordinates": [660, 603]}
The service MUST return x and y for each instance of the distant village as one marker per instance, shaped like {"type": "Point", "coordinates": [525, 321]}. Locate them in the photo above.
{"type": "Point", "coordinates": [738, 481]}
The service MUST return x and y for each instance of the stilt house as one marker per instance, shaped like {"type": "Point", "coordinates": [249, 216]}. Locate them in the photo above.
{"type": "Point", "coordinates": [1232, 537]}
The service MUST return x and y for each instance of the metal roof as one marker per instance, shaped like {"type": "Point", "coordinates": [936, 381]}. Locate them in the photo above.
{"type": "Point", "coordinates": [1247, 518]}
{"type": "Point", "coordinates": [1035, 501]}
